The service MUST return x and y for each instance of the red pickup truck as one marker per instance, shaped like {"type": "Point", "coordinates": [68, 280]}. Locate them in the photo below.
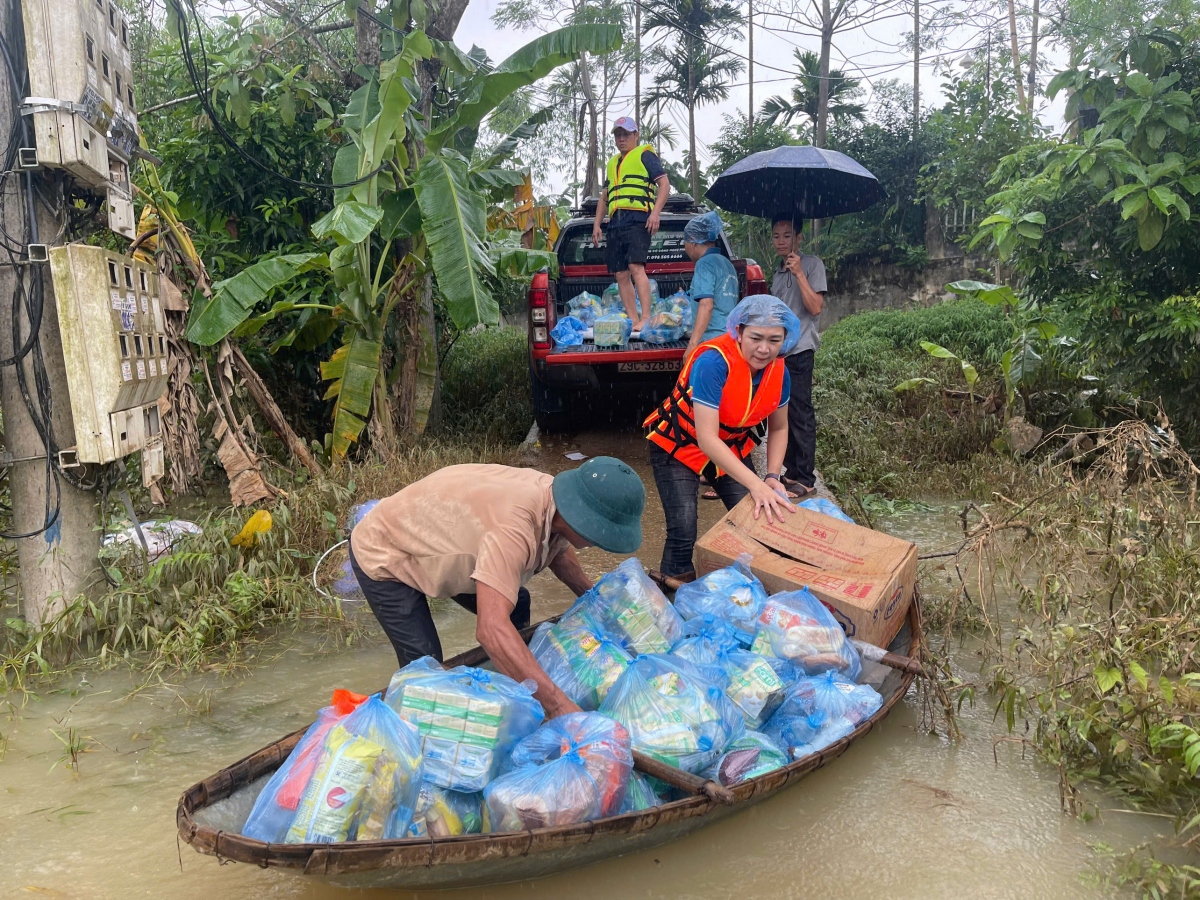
{"type": "Point", "coordinates": [568, 382]}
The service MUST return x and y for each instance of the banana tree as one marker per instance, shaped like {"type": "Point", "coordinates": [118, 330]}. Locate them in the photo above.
{"type": "Point", "coordinates": [418, 210]}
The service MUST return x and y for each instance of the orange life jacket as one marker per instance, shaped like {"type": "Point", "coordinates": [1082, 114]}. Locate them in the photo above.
{"type": "Point", "coordinates": [743, 410]}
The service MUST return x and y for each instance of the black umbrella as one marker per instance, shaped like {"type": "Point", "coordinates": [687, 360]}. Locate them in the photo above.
{"type": "Point", "coordinates": [808, 182]}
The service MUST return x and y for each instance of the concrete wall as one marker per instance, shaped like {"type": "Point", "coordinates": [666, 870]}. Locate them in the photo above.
{"type": "Point", "coordinates": [891, 287]}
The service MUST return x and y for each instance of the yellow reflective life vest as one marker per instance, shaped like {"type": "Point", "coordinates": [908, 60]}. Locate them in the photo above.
{"type": "Point", "coordinates": [629, 185]}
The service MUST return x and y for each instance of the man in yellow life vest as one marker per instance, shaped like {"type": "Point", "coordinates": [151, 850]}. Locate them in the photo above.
{"type": "Point", "coordinates": [629, 199]}
{"type": "Point", "coordinates": [731, 389]}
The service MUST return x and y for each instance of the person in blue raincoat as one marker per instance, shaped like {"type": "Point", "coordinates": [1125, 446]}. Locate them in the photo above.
{"type": "Point", "coordinates": [714, 289]}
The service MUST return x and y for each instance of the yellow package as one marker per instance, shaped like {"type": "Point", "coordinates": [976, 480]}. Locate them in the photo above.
{"type": "Point", "coordinates": [378, 805]}
{"type": "Point", "coordinates": [336, 790]}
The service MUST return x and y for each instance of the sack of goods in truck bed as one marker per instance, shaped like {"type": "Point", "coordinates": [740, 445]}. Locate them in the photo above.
{"type": "Point", "coordinates": [443, 813]}
{"type": "Point", "coordinates": [585, 307]}
{"type": "Point", "coordinates": [468, 719]}
{"type": "Point", "coordinates": [632, 609]}
{"type": "Point", "coordinates": [366, 782]}
{"type": "Point", "coordinates": [680, 304]}
{"type": "Point", "coordinates": [568, 332]}
{"type": "Point", "coordinates": [751, 755]}
{"type": "Point", "coordinates": [580, 658]}
{"type": "Point", "coordinates": [663, 327]}
{"type": "Point", "coordinates": [673, 712]}
{"type": "Point", "coordinates": [612, 330]}
{"type": "Point", "coordinates": [574, 768]}
{"type": "Point", "coordinates": [733, 594]}
{"type": "Point", "coordinates": [275, 807]}
{"type": "Point", "coordinates": [795, 625]}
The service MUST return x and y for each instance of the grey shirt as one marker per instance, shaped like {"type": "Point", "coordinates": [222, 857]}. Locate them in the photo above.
{"type": "Point", "coordinates": [785, 287]}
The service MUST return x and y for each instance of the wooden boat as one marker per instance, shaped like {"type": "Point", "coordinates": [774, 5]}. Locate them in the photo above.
{"type": "Point", "coordinates": [480, 859]}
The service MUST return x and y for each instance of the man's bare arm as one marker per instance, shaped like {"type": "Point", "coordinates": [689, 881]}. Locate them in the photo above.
{"type": "Point", "coordinates": [567, 569]}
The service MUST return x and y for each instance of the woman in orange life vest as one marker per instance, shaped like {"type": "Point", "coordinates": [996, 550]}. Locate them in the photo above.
{"type": "Point", "coordinates": [729, 388]}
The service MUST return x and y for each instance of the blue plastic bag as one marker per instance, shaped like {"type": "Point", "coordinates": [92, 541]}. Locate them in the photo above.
{"type": "Point", "coordinates": [574, 768]}
{"type": "Point", "coordinates": [673, 712]}
{"type": "Point", "coordinates": [639, 794]}
{"type": "Point", "coordinates": [826, 507]}
{"type": "Point", "coordinates": [795, 625]}
{"type": "Point", "coordinates": [585, 307]}
{"type": "Point", "coordinates": [568, 332]}
{"type": "Point", "coordinates": [632, 609]}
{"type": "Point", "coordinates": [790, 727]}
{"type": "Point", "coordinates": [357, 513]}
{"type": "Point", "coordinates": [612, 330]}
{"type": "Point", "coordinates": [443, 813]}
{"type": "Point", "coordinates": [733, 593]}
{"type": "Point", "coordinates": [468, 719]}
{"type": "Point", "coordinates": [580, 658]}
{"type": "Point", "coordinates": [610, 301]}
{"type": "Point", "coordinates": [819, 710]}
{"type": "Point", "coordinates": [662, 328]}
{"type": "Point", "coordinates": [751, 755]}
{"type": "Point", "coordinates": [366, 783]}
{"type": "Point", "coordinates": [748, 679]}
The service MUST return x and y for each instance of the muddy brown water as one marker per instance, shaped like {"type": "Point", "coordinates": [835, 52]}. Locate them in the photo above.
{"type": "Point", "coordinates": [902, 814]}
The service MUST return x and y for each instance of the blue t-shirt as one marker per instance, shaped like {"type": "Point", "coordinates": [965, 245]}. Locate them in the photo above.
{"type": "Point", "coordinates": [714, 277]}
{"type": "Point", "coordinates": [654, 171]}
{"type": "Point", "coordinates": [710, 372]}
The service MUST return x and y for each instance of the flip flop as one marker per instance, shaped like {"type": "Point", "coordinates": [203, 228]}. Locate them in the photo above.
{"type": "Point", "coordinates": [710, 494]}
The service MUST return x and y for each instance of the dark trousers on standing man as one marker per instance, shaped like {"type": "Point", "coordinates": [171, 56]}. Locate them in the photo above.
{"type": "Point", "coordinates": [678, 487]}
{"type": "Point", "coordinates": [403, 611]}
{"type": "Point", "coordinates": [801, 457]}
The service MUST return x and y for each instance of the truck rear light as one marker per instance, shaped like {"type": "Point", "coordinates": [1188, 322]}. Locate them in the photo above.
{"type": "Point", "coordinates": [541, 315]}
{"type": "Point", "coordinates": [538, 315]}
{"type": "Point", "coordinates": [541, 337]}
{"type": "Point", "coordinates": [756, 282]}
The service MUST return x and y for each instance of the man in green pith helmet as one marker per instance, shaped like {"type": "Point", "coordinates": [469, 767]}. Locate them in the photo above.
{"type": "Point", "coordinates": [477, 534]}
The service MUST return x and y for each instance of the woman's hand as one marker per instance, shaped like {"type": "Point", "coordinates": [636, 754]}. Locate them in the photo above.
{"type": "Point", "coordinates": [770, 499]}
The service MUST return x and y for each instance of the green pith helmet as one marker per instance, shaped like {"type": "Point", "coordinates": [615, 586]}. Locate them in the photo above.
{"type": "Point", "coordinates": [602, 500]}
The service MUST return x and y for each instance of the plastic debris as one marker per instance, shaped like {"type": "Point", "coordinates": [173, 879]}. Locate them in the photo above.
{"type": "Point", "coordinates": [632, 609]}
{"type": "Point", "coordinates": [161, 537]}
{"type": "Point", "coordinates": [442, 813]}
{"type": "Point", "coordinates": [734, 594]}
{"type": "Point", "coordinates": [796, 626]}
{"type": "Point", "coordinates": [569, 331]}
{"type": "Point", "coordinates": [468, 719]}
{"type": "Point", "coordinates": [574, 768]}
{"type": "Point", "coordinates": [826, 507]}
{"type": "Point", "coordinates": [580, 658]}
{"type": "Point", "coordinates": [259, 523]}
{"type": "Point", "coordinates": [673, 712]}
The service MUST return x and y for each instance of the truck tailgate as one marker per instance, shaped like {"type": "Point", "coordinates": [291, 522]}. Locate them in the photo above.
{"type": "Point", "coordinates": [639, 356]}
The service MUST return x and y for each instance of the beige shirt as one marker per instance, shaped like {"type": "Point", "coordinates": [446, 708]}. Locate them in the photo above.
{"type": "Point", "coordinates": [462, 525]}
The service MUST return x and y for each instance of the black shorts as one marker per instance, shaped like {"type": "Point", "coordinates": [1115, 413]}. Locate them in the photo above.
{"type": "Point", "coordinates": [627, 243]}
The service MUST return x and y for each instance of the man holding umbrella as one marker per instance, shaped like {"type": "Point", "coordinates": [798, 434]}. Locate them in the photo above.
{"type": "Point", "coordinates": [799, 282]}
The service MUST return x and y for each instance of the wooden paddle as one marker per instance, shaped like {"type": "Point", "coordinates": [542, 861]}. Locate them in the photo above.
{"type": "Point", "coordinates": [865, 650]}
{"type": "Point", "coordinates": [685, 781]}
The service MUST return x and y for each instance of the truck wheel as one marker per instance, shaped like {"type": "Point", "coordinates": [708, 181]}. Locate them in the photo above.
{"type": "Point", "coordinates": [551, 409]}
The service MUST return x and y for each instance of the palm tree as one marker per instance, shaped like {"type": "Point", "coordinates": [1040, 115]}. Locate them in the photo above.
{"type": "Point", "coordinates": [693, 69]}
{"type": "Point", "coordinates": [806, 94]}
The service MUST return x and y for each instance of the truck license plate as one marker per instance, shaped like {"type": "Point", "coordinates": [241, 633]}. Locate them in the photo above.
{"type": "Point", "coordinates": [661, 365]}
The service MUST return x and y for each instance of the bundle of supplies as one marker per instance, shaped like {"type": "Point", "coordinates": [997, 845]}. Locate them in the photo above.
{"type": "Point", "coordinates": [662, 328]}
{"type": "Point", "coordinates": [749, 680]}
{"type": "Point", "coordinates": [612, 330]}
{"type": "Point", "coordinates": [733, 594]}
{"type": "Point", "coordinates": [631, 608]}
{"type": "Point", "coordinates": [611, 300]}
{"type": "Point", "coordinates": [673, 712]}
{"type": "Point", "coordinates": [443, 813]}
{"type": "Point", "coordinates": [574, 768]}
{"type": "Point", "coordinates": [639, 794]}
{"type": "Point", "coordinates": [795, 625]}
{"type": "Point", "coordinates": [751, 755]}
{"type": "Point", "coordinates": [826, 507]}
{"type": "Point", "coordinates": [366, 780]}
{"type": "Point", "coordinates": [585, 307]}
{"type": "Point", "coordinates": [819, 710]}
{"type": "Point", "coordinates": [468, 719]}
{"type": "Point", "coordinates": [568, 332]}
{"type": "Point", "coordinates": [580, 658]}
{"type": "Point", "coordinates": [275, 806]}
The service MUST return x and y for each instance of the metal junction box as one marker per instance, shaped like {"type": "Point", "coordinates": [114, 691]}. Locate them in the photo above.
{"type": "Point", "coordinates": [110, 314]}
{"type": "Point", "coordinates": [81, 88]}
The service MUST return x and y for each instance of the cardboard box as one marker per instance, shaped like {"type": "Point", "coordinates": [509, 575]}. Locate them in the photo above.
{"type": "Point", "coordinates": [865, 577]}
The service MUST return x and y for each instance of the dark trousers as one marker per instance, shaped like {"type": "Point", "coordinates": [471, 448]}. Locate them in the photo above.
{"type": "Point", "coordinates": [403, 611]}
{"type": "Point", "coordinates": [677, 489]}
{"type": "Point", "coordinates": [801, 456]}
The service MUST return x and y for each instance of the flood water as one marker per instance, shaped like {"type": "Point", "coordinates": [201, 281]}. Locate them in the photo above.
{"type": "Point", "coordinates": [901, 814]}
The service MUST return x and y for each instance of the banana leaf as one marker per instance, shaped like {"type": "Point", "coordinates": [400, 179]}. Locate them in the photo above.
{"type": "Point", "coordinates": [455, 222]}
{"type": "Point", "coordinates": [508, 146]}
{"type": "Point", "coordinates": [353, 369]}
{"type": "Point", "coordinates": [235, 298]}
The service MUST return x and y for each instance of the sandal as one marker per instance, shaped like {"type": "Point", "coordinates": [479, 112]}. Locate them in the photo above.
{"type": "Point", "coordinates": [710, 494]}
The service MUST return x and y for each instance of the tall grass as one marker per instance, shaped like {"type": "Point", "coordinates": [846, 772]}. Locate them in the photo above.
{"type": "Point", "coordinates": [485, 387]}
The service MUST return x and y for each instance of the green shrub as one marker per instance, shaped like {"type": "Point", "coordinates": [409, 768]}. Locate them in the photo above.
{"type": "Point", "coordinates": [485, 386]}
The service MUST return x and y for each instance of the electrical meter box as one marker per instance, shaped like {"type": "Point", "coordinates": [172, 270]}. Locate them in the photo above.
{"type": "Point", "coordinates": [81, 88]}
{"type": "Point", "coordinates": [110, 313]}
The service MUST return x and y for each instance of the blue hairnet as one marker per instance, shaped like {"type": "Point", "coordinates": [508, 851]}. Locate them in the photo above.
{"type": "Point", "coordinates": [702, 229]}
{"type": "Point", "coordinates": [765, 310]}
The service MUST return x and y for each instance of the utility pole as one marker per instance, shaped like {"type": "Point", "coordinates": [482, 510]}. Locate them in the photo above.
{"type": "Point", "coordinates": [750, 55]}
{"type": "Point", "coordinates": [59, 563]}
